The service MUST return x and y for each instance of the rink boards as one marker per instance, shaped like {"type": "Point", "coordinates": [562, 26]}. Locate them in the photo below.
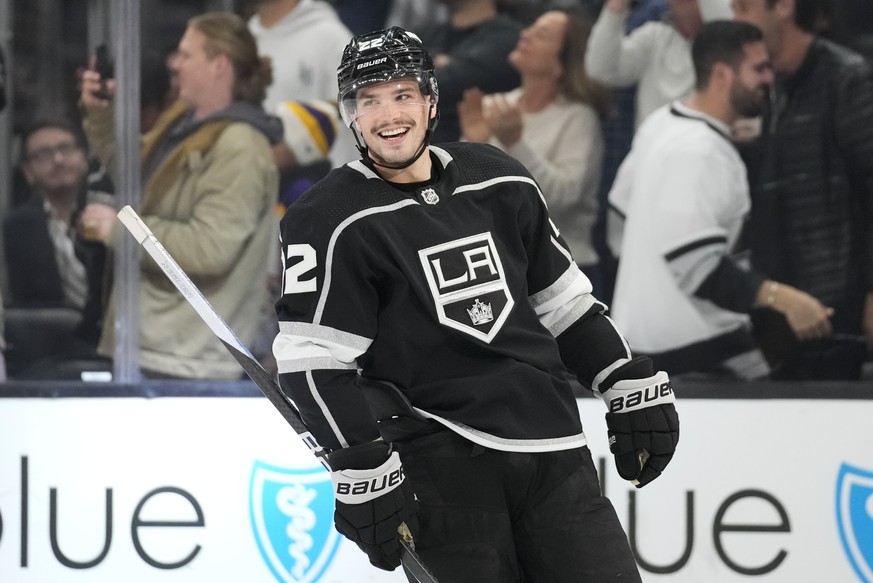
{"type": "Point", "coordinates": [127, 488]}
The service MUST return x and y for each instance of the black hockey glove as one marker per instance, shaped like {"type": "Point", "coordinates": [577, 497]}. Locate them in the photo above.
{"type": "Point", "coordinates": [373, 499]}
{"type": "Point", "coordinates": [642, 421]}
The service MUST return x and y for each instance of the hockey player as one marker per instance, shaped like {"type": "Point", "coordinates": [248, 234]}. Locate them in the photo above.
{"type": "Point", "coordinates": [429, 315]}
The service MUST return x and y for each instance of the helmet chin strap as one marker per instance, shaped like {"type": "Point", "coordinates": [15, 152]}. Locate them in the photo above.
{"type": "Point", "coordinates": [369, 162]}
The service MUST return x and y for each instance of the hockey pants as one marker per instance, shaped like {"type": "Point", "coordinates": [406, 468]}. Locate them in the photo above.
{"type": "Point", "coordinates": [506, 517]}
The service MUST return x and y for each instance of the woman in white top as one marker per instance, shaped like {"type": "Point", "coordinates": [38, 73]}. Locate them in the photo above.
{"type": "Point", "coordinates": [551, 124]}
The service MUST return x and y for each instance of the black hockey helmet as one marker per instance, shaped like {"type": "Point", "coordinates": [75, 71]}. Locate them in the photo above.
{"type": "Point", "coordinates": [377, 57]}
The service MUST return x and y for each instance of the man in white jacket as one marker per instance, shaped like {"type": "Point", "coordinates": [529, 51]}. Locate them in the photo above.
{"type": "Point", "coordinates": [680, 296]}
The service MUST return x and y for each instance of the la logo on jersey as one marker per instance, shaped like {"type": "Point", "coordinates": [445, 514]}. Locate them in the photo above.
{"type": "Point", "coordinates": [468, 285]}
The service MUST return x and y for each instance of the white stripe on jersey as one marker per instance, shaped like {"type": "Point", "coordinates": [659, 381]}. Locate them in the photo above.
{"type": "Point", "coordinates": [363, 169]}
{"type": "Point", "coordinates": [499, 180]}
{"type": "Point", "coordinates": [565, 301]}
{"type": "Point", "coordinates": [525, 179]}
{"type": "Point", "coordinates": [444, 157]}
{"type": "Point", "coordinates": [302, 346]}
{"type": "Point", "coordinates": [505, 444]}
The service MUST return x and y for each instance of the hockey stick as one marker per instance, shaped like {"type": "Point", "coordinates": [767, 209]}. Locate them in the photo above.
{"type": "Point", "coordinates": [143, 235]}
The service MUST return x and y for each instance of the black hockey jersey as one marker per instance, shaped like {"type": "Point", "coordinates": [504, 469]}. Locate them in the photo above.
{"type": "Point", "coordinates": [454, 293]}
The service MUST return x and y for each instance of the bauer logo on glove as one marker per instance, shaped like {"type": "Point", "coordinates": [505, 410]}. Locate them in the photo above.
{"type": "Point", "coordinates": [627, 395]}
{"type": "Point", "coordinates": [373, 500]}
{"type": "Point", "coordinates": [642, 420]}
{"type": "Point", "coordinates": [355, 486]}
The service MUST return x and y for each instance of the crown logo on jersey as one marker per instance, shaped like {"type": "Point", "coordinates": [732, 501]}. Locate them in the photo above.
{"type": "Point", "coordinates": [430, 196]}
{"type": "Point", "coordinates": [480, 313]}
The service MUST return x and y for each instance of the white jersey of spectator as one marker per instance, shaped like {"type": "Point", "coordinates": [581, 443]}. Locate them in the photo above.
{"type": "Point", "coordinates": [655, 57]}
{"type": "Point", "coordinates": [684, 212]}
{"type": "Point", "coordinates": [306, 47]}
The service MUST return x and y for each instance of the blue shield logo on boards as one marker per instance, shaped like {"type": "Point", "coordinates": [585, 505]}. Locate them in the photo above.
{"type": "Point", "coordinates": [292, 518]}
{"type": "Point", "coordinates": [855, 518]}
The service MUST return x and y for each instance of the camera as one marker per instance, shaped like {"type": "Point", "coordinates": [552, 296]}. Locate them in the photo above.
{"type": "Point", "coordinates": [103, 65]}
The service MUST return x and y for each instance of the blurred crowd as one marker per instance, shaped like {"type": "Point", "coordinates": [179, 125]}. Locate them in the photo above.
{"type": "Point", "coordinates": [717, 193]}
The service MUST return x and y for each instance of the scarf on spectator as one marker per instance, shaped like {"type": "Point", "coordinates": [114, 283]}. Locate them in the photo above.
{"type": "Point", "coordinates": [165, 171]}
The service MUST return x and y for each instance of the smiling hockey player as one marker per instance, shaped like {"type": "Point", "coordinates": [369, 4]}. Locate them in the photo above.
{"type": "Point", "coordinates": [430, 319]}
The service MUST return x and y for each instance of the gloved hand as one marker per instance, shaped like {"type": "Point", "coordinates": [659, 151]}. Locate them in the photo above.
{"type": "Point", "coordinates": [642, 421]}
{"type": "Point", "coordinates": [373, 498]}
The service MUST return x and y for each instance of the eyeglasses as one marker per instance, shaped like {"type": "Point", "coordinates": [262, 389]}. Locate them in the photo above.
{"type": "Point", "coordinates": [47, 154]}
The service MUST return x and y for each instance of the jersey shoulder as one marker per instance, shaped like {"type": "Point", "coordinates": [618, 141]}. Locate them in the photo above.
{"type": "Point", "coordinates": [477, 163]}
{"type": "Point", "coordinates": [344, 192]}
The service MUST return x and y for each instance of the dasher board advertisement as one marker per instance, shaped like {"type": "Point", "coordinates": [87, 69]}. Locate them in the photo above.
{"type": "Point", "coordinates": [221, 489]}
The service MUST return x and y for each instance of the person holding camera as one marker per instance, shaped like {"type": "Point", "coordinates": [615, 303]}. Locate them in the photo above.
{"type": "Point", "coordinates": [210, 185]}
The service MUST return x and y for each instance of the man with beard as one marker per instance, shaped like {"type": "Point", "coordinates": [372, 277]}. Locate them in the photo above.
{"type": "Point", "coordinates": [683, 196]}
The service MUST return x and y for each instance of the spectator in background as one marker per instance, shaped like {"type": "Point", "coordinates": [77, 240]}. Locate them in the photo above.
{"type": "Point", "coordinates": [656, 57]}
{"type": "Point", "coordinates": [305, 40]}
{"type": "Point", "coordinates": [363, 15]}
{"type": "Point", "coordinates": [551, 124]}
{"type": "Point", "coordinates": [812, 212]}
{"type": "Point", "coordinates": [210, 187]}
{"type": "Point", "coordinates": [49, 264]}
{"type": "Point", "coordinates": [156, 90]}
{"type": "Point", "coordinates": [470, 50]}
{"type": "Point", "coordinates": [527, 11]}
{"type": "Point", "coordinates": [679, 296]}
{"type": "Point", "coordinates": [643, 46]}
{"type": "Point", "coordinates": [416, 14]}
{"type": "Point", "coordinates": [309, 130]}
{"type": "Point", "coordinates": [618, 132]}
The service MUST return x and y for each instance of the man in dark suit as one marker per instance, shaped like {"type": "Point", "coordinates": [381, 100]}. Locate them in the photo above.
{"type": "Point", "coordinates": [49, 263]}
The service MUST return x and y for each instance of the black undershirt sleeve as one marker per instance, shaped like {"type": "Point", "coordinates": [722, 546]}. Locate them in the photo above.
{"type": "Point", "coordinates": [590, 345]}
{"type": "Point", "coordinates": [730, 287]}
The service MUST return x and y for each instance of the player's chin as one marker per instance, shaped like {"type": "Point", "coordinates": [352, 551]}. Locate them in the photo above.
{"type": "Point", "coordinates": [391, 156]}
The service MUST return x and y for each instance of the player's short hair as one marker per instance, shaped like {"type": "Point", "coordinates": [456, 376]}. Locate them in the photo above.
{"type": "Point", "coordinates": [721, 41]}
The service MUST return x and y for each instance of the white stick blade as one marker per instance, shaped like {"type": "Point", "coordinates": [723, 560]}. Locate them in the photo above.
{"type": "Point", "coordinates": [134, 224]}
